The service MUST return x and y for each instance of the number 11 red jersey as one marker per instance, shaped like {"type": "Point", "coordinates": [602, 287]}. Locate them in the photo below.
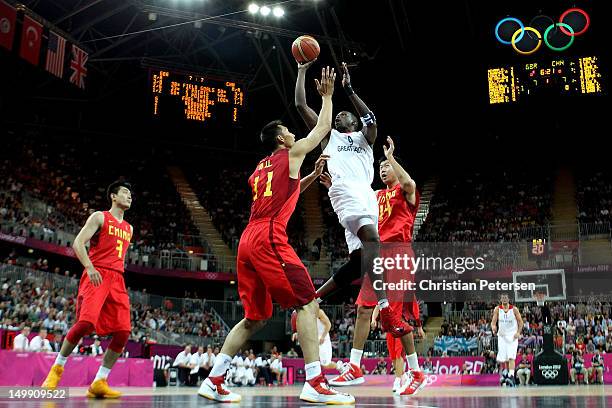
{"type": "Point", "coordinates": [110, 244]}
{"type": "Point", "coordinates": [275, 194]}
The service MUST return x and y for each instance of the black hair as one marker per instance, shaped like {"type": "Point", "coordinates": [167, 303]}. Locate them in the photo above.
{"type": "Point", "coordinates": [114, 188]}
{"type": "Point", "coordinates": [397, 159]}
{"type": "Point", "coordinates": [268, 135]}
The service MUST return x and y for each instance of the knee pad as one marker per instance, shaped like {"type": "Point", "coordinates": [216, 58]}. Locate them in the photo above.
{"type": "Point", "coordinates": [350, 271]}
{"type": "Point", "coordinates": [119, 341]}
{"type": "Point", "coordinates": [78, 331]}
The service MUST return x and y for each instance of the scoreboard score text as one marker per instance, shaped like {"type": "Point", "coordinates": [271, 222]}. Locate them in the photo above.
{"type": "Point", "coordinates": [561, 76]}
{"type": "Point", "coordinates": [195, 98]}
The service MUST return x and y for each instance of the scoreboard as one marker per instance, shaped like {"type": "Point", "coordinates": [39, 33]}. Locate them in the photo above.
{"type": "Point", "coordinates": [180, 96]}
{"type": "Point", "coordinates": [561, 76]}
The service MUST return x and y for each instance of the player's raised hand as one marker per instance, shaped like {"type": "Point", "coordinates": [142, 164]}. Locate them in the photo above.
{"type": "Point", "coordinates": [320, 164]}
{"type": "Point", "coordinates": [389, 150]}
{"type": "Point", "coordinates": [326, 180]}
{"type": "Point", "coordinates": [325, 87]}
{"type": "Point", "coordinates": [306, 65]}
{"type": "Point", "coordinates": [94, 276]}
{"type": "Point", "coordinates": [346, 77]}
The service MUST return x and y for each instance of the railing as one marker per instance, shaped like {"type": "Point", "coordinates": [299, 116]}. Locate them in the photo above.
{"type": "Point", "coordinates": [594, 230]}
{"type": "Point", "coordinates": [234, 311]}
{"type": "Point", "coordinates": [47, 280]}
{"type": "Point", "coordinates": [458, 315]}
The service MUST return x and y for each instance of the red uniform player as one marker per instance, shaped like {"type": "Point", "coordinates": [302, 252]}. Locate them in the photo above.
{"type": "Point", "coordinates": [103, 303]}
{"type": "Point", "coordinates": [268, 268]}
{"type": "Point", "coordinates": [398, 205]}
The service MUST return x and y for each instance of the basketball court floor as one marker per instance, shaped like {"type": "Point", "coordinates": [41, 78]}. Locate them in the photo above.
{"type": "Point", "coordinates": [367, 396]}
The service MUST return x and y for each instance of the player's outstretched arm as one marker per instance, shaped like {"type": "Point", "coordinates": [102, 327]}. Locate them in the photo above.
{"type": "Point", "coordinates": [305, 182]}
{"type": "Point", "coordinates": [92, 225]}
{"type": "Point", "coordinates": [302, 147]}
{"type": "Point", "coordinates": [370, 129]}
{"type": "Point", "coordinates": [308, 115]}
{"type": "Point", "coordinates": [407, 183]}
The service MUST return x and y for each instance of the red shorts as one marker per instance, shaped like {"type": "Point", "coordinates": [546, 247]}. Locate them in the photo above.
{"type": "Point", "coordinates": [107, 306]}
{"type": "Point", "coordinates": [395, 347]}
{"type": "Point", "coordinates": [268, 268]}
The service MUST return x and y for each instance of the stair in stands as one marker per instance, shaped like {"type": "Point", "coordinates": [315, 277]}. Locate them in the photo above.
{"type": "Point", "coordinates": [201, 217]}
{"type": "Point", "coordinates": [427, 193]}
{"type": "Point", "coordinates": [564, 207]}
{"type": "Point", "coordinates": [315, 228]}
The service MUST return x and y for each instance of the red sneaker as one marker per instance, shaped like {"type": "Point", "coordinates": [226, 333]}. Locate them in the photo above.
{"type": "Point", "coordinates": [351, 375]}
{"type": "Point", "coordinates": [318, 390]}
{"type": "Point", "coordinates": [393, 323]}
{"type": "Point", "coordinates": [415, 385]}
{"type": "Point", "coordinates": [214, 389]}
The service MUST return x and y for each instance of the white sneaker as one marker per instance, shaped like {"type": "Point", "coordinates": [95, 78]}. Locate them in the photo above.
{"type": "Point", "coordinates": [214, 389]}
{"type": "Point", "coordinates": [318, 390]}
{"type": "Point", "coordinates": [400, 383]}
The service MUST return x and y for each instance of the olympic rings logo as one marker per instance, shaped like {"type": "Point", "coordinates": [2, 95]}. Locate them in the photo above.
{"type": "Point", "coordinates": [430, 379]}
{"type": "Point", "coordinates": [550, 374]}
{"type": "Point", "coordinates": [540, 38]}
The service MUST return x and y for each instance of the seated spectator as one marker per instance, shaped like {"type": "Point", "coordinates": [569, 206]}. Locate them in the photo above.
{"type": "Point", "coordinates": [40, 342]}
{"type": "Point", "coordinates": [292, 353]}
{"type": "Point", "coordinates": [182, 361]}
{"type": "Point", "coordinates": [577, 364]}
{"type": "Point", "coordinates": [56, 344]}
{"type": "Point", "coordinates": [196, 363]}
{"type": "Point", "coordinates": [524, 370]}
{"type": "Point", "coordinates": [96, 347]}
{"type": "Point", "coordinates": [597, 367]}
{"type": "Point", "coordinates": [21, 342]}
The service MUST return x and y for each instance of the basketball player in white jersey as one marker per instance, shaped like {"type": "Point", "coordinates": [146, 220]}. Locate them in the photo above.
{"type": "Point", "coordinates": [325, 346]}
{"type": "Point", "coordinates": [351, 165]}
{"type": "Point", "coordinates": [508, 319]}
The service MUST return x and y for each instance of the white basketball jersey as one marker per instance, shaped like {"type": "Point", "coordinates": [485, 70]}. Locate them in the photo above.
{"type": "Point", "coordinates": [506, 321]}
{"type": "Point", "coordinates": [351, 158]}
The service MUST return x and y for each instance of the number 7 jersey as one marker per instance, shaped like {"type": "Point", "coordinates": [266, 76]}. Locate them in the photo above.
{"type": "Point", "coordinates": [109, 245]}
{"type": "Point", "coordinates": [275, 193]}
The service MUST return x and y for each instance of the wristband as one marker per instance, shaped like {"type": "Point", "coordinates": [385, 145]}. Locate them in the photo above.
{"type": "Point", "coordinates": [368, 119]}
{"type": "Point", "coordinates": [349, 90]}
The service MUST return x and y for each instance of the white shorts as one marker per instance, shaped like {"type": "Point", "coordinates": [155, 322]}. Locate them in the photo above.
{"type": "Point", "coordinates": [325, 352]}
{"type": "Point", "coordinates": [355, 205]}
{"type": "Point", "coordinates": [506, 348]}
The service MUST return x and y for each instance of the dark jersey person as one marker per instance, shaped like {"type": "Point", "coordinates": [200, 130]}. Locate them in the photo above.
{"type": "Point", "coordinates": [103, 303]}
{"type": "Point", "coordinates": [268, 268]}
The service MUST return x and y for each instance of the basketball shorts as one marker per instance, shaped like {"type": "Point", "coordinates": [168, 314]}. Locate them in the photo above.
{"type": "Point", "coordinates": [269, 269]}
{"type": "Point", "coordinates": [355, 205]}
{"type": "Point", "coordinates": [394, 345]}
{"type": "Point", "coordinates": [325, 352]}
{"type": "Point", "coordinates": [107, 306]}
{"type": "Point", "coordinates": [507, 346]}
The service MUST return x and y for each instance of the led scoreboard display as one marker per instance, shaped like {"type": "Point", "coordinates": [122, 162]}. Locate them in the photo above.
{"type": "Point", "coordinates": [195, 98]}
{"type": "Point", "coordinates": [577, 75]}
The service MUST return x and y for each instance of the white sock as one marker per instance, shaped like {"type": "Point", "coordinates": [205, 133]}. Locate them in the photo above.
{"type": "Point", "coordinates": [60, 360]}
{"type": "Point", "coordinates": [102, 373]}
{"type": "Point", "coordinates": [382, 303]}
{"type": "Point", "coordinates": [222, 363]}
{"type": "Point", "coordinates": [413, 362]}
{"type": "Point", "coordinates": [312, 370]}
{"type": "Point", "coordinates": [356, 357]}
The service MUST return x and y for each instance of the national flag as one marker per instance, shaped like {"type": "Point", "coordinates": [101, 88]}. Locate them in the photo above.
{"type": "Point", "coordinates": [8, 16]}
{"type": "Point", "coordinates": [77, 65]}
{"type": "Point", "coordinates": [31, 37]}
{"type": "Point", "coordinates": [55, 54]}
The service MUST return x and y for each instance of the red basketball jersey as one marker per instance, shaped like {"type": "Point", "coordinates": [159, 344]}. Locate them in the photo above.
{"type": "Point", "coordinates": [108, 246]}
{"type": "Point", "coordinates": [275, 194]}
{"type": "Point", "coordinates": [396, 215]}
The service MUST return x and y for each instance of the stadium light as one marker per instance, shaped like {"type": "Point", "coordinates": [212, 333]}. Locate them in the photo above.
{"type": "Point", "coordinates": [253, 8]}
{"type": "Point", "coordinates": [278, 11]}
{"type": "Point", "coordinates": [265, 11]}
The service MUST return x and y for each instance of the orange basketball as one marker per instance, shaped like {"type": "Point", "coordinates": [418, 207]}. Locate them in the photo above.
{"type": "Point", "coordinates": [305, 49]}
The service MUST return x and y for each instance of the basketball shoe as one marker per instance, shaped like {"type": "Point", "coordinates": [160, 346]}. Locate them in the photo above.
{"type": "Point", "coordinates": [317, 390]}
{"type": "Point", "coordinates": [214, 389]}
{"type": "Point", "coordinates": [350, 375]}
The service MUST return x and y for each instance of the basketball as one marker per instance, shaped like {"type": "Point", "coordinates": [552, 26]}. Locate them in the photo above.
{"type": "Point", "coordinates": [305, 49]}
